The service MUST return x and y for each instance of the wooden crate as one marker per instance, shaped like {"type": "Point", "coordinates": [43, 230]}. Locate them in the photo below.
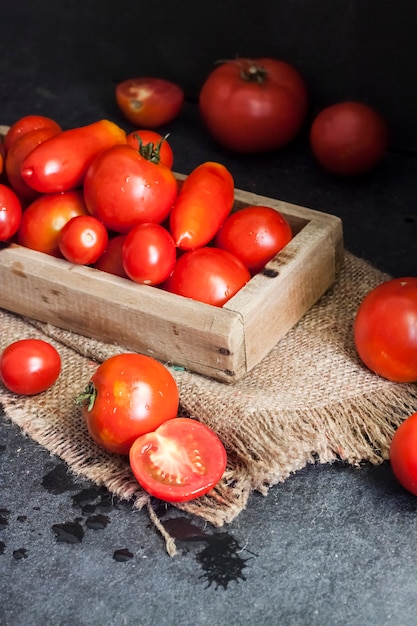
{"type": "Point", "coordinates": [223, 343]}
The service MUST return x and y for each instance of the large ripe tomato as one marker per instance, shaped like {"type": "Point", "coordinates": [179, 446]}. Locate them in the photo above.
{"type": "Point", "coordinates": [10, 213]}
{"type": "Point", "coordinates": [111, 261]}
{"type": "Point", "coordinates": [208, 275]}
{"type": "Point", "coordinates": [122, 189]}
{"type": "Point", "coordinates": [128, 396]}
{"type": "Point", "coordinates": [349, 138]}
{"type": "Point", "coordinates": [83, 239]}
{"type": "Point", "coordinates": [181, 460]}
{"type": "Point", "coordinates": [255, 234]}
{"type": "Point", "coordinates": [45, 217]}
{"type": "Point", "coordinates": [149, 254]}
{"type": "Point", "coordinates": [253, 105]}
{"type": "Point", "coordinates": [152, 146]}
{"type": "Point", "coordinates": [149, 102]}
{"type": "Point", "coordinates": [29, 366]}
{"type": "Point", "coordinates": [26, 124]}
{"type": "Point", "coordinates": [403, 454]}
{"type": "Point", "coordinates": [385, 330]}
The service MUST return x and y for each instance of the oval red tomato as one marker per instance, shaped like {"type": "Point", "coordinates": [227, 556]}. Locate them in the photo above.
{"type": "Point", "coordinates": [29, 366]}
{"type": "Point", "coordinates": [83, 239]}
{"type": "Point", "coordinates": [153, 146]}
{"type": "Point", "coordinates": [255, 234]}
{"type": "Point", "coordinates": [349, 138]}
{"type": "Point", "coordinates": [26, 124]}
{"type": "Point", "coordinates": [128, 396]}
{"type": "Point", "coordinates": [181, 460]}
{"type": "Point", "coordinates": [148, 102]}
{"type": "Point", "coordinates": [10, 212]}
{"type": "Point", "coordinates": [385, 330]}
{"type": "Point", "coordinates": [149, 254]}
{"type": "Point", "coordinates": [253, 105]}
{"type": "Point", "coordinates": [403, 454]}
{"type": "Point", "coordinates": [208, 275]}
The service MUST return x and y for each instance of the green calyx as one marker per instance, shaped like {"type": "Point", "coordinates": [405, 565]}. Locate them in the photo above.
{"type": "Point", "coordinates": [87, 397]}
{"type": "Point", "coordinates": [150, 151]}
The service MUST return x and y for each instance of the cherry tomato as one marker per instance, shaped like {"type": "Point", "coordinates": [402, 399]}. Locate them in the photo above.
{"type": "Point", "coordinates": [26, 124]}
{"type": "Point", "coordinates": [385, 330]}
{"type": "Point", "coordinates": [122, 189]}
{"type": "Point", "coordinates": [349, 138]}
{"type": "Point", "coordinates": [60, 162]}
{"type": "Point", "coordinates": [255, 234]}
{"type": "Point", "coordinates": [403, 454]}
{"type": "Point", "coordinates": [253, 105]}
{"type": "Point", "coordinates": [203, 203]}
{"type": "Point", "coordinates": [208, 275]}
{"type": "Point", "coordinates": [153, 146]}
{"type": "Point", "coordinates": [111, 260]}
{"type": "Point", "coordinates": [83, 239]}
{"type": "Point", "coordinates": [43, 220]}
{"type": "Point", "coordinates": [181, 460]}
{"type": "Point", "coordinates": [149, 102]}
{"type": "Point", "coordinates": [10, 213]}
{"type": "Point", "coordinates": [29, 366]}
{"type": "Point", "coordinates": [149, 254]}
{"type": "Point", "coordinates": [128, 396]}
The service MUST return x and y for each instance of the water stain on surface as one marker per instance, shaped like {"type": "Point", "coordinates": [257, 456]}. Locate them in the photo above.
{"type": "Point", "coordinates": [122, 555]}
{"type": "Point", "coordinates": [4, 522]}
{"type": "Point", "coordinates": [97, 522]}
{"type": "Point", "coordinates": [94, 499]}
{"type": "Point", "coordinates": [20, 553]}
{"type": "Point", "coordinates": [58, 480]}
{"type": "Point", "coordinates": [2, 547]}
{"type": "Point", "coordinates": [68, 532]}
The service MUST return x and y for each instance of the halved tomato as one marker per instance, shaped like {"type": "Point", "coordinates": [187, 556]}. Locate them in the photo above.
{"type": "Point", "coordinates": [149, 102]}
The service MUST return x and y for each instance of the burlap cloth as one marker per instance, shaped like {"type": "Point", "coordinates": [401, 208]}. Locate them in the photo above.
{"type": "Point", "coordinates": [310, 400]}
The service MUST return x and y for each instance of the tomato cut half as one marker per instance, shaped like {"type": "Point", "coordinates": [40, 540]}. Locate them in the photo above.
{"type": "Point", "coordinates": [181, 460]}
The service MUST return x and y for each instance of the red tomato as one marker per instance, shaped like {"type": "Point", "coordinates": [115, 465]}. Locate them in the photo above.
{"type": "Point", "coordinates": [208, 275]}
{"type": "Point", "coordinates": [203, 203]}
{"type": "Point", "coordinates": [149, 102]}
{"type": "Point", "coordinates": [128, 396]}
{"type": "Point", "coordinates": [60, 162]}
{"type": "Point", "coordinates": [181, 460]}
{"type": "Point", "coordinates": [26, 124]}
{"type": "Point", "coordinates": [10, 213]}
{"type": "Point", "coordinates": [255, 234]}
{"type": "Point", "coordinates": [385, 330]}
{"type": "Point", "coordinates": [111, 260]}
{"type": "Point", "coordinates": [403, 454]}
{"type": "Point", "coordinates": [349, 138]}
{"type": "Point", "coordinates": [43, 220]}
{"type": "Point", "coordinates": [29, 366]}
{"type": "Point", "coordinates": [83, 239]}
{"type": "Point", "coordinates": [149, 254]}
{"type": "Point", "coordinates": [122, 189]}
{"type": "Point", "coordinates": [153, 146]}
{"type": "Point", "coordinates": [253, 105]}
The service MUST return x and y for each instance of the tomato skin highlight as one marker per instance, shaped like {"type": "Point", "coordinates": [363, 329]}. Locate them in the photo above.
{"type": "Point", "coordinates": [385, 330]}
{"type": "Point", "coordinates": [149, 102]}
{"type": "Point", "coordinates": [10, 212]}
{"type": "Point", "coordinates": [403, 454]}
{"type": "Point", "coordinates": [82, 240]}
{"type": "Point", "coordinates": [29, 366]}
{"type": "Point", "coordinates": [60, 162]}
{"type": "Point", "coordinates": [148, 254]}
{"type": "Point", "coordinates": [181, 460]}
{"type": "Point", "coordinates": [128, 395]}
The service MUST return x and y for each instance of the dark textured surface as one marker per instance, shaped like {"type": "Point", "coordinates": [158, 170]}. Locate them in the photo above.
{"type": "Point", "coordinates": [333, 544]}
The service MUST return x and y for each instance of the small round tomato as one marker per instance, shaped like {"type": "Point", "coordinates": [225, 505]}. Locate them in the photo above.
{"type": "Point", "coordinates": [45, 217]}
{"type": "Point", "coordinates": [181, 460]}
{"type": "Point", "coordinates": [349, 138]}
{"type": "Point", "coordinates": [403, 454]}
{"type": "Point", "coordinates": [83, 239]}
{"type": "Point", "coordinates": [10, 213]}
{"type": "Point", "coordinates": [111, 261]}
{"type": "Point", "coordinates": [29, 366]}
{"type": "Point", "coordinates": [255, 234]}
{"type": "Point", "coordinates": [153, 146]}
{"type": "Point", "coordinates": [128, 396]}
{"type": "Point", "coordinates": [253, 105]}
{"type": "Point", "coordinates": [26, 124]}
{"type": "Point", "coordinates": [149, 254]}
{"type": "Point", "coordinates": [385, 330]}
{"type": "Point", "coordinates": [149, 102]}
{"type": "Point", "coordinates": [208, 275]}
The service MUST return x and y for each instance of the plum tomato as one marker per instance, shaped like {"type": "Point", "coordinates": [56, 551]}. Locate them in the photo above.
{"type": "Point", "coordinates": [349, 138]}
{"type": "Point", "coordinates": [29, 366]}
{"type": "Point", "coordinates": [111, 261]}
{"type": "Point", "coordinates": [10, 212]}
{"type": "Point", "coordinates": [153, 146]}
{"type": "Point", "coordinates": [253, 105]}
{"type": "Point", "coordinates": [128, 396]}
{"type": "Point", "coordinates": [83, 239]}
{"type": "Point", "coordinates": [26, 124]}
{"type": "Point", "coordinates": [403, 454]}
{"type": "Point", "coordinates": [181, 460]}
{"type": "Point", "coordinates": [255, 234]}
{"type": "Point", "coordinates": [207, 274]}
{"type": "Point", "coordinates": [149, 254]}
{"type": "Point", "coordinates": [148, 102]}
{"type": "Point", "coordinates": [385, 330]}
